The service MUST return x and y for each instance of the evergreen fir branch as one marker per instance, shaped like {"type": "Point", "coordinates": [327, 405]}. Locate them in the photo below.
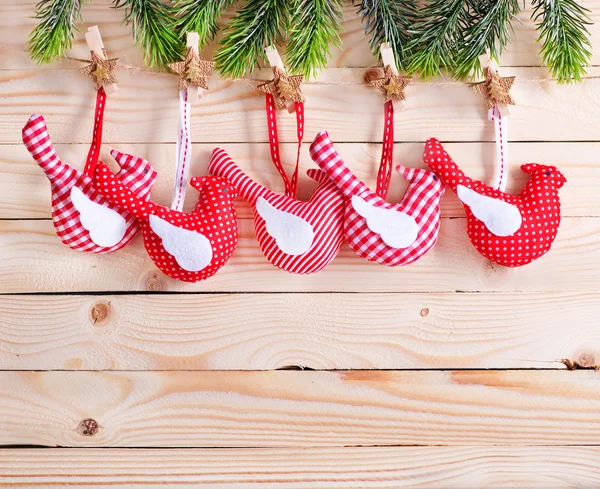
{"type": "Point", "coordinates": [389, 21]}
{"type": "Point", "coordinates": [199, 16]}
{"type": "Point", "coordinates": [566, 48]}
{"type": "Point", "coordinates": [490, 29]}
{"type": "Point", "coordinates": [53, 36]}
{"type": "Point", "coordinates": [258, 24]}
{"type": "Point", "coordinates": [153, 30]}
{"type": "Point", "coordinates": [315, 24]}
{"type": "Point", "coordinates": [437, 35]}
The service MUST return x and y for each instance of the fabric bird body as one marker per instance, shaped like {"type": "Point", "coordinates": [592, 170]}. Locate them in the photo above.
{"type": "Point", "coordinates": [299, 237]}
{"type": "Point", "coordinates": [509, 230]}
{"type": "Point", "coordinates": [83, 219]}
{"type": "Point", "coordinates": [389, 234]}
{"type": "Point", "coordinates": [186, 246]}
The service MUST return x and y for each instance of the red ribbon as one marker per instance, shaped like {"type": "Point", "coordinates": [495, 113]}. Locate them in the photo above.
{"type": "Point", "coordinates": [291, 185]}
{"type": "Point", "coordinates": [384, 175]}
{"type": "Point", "coordinates": [94, 152]}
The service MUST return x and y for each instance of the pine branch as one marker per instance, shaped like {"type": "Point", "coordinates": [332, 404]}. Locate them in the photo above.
{"type": "Point", "coordinates": [153, 30]}
{"type": "Point", "coordinates": [490, 29]}
{"type": "Point", "coordinates": [566, 48]}
{"type": "Point", "coordinates": [315, 24]}
{"type": "Point", "coordinates": [259, 23]}
{"type": "Point", "coordinates": [199, 16]}
{"type": "Point", "coordinates": [389, 21]}
{"type": "Point", "coordinates": [438, 33]}
{"type": "Point", "coordinates": [53, 36]}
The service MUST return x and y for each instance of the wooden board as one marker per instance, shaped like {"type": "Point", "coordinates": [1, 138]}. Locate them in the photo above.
{"type": "Point", "coordinates": [25, 190]}
{"type": "Point", "coordinates": [301, 409]}
{"type": "Point", "coordinates": [316, 331]}
{"type": "Point", "coordinates": [314, 468]}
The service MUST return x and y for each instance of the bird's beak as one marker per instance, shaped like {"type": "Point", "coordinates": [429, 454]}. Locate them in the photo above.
{"type": "Point", "coordinates": [529, 168]}
{"type": "Point", "coordinates": [198, 182]}
{"type": "Point", "coordinates": [407, 173]}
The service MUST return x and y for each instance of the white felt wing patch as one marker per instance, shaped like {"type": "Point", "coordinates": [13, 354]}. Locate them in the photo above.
{"type": "Point", "coordinates": [106, 226]}
{"type": "Point", "coordinates": [191, 250]}
{"type": "Point", "coordinates": [501, 218]}
{"type": "Point", "coordinates": [292, 234]}
{"type": "Point", "coordinates": [397, 229]}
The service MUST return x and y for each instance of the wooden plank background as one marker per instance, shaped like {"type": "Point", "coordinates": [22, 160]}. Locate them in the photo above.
{"type": "Point", "coordinates": [453, 372]}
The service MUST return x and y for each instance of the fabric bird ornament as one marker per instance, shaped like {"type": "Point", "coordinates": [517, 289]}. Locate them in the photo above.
{"type": "Point", "coordinates": [83, 219]}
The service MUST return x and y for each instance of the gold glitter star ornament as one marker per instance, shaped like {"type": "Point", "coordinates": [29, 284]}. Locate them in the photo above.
{"type": "Point", "coordinates": [391, 85]}
{"type": "Point", "coordinates": [284, 88]}
{"type": "Point", "coordinates": [495, 89]}
{"type": "Point", "coordinates": [101, 71]}
{"type": "Point", "coordinates": [192, 71]}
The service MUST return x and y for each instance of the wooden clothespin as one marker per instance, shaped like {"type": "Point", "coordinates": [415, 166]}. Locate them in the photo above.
{"type": "Point", "coordinates": [192, 41]}
{"type": "Point", "coordinates": [487, 62]}
{"type": "Point", "coordinates": [276, 62]}
{"type": "Point", "coordinates": [95, 44]}
{"type": "Point", "coordinates": [388, 59]}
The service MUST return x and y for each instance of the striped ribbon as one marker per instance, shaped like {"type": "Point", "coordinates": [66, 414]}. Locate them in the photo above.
{"type": "Point", "coordinates": [500, 166]}
{"type": "Point", "coordinates": [183, 152]}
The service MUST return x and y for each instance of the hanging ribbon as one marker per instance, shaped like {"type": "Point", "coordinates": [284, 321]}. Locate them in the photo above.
{"type": "Point", "coordinates": [183, 152]}
{"type": "Point", "coordinates": [501, 166]}
{"type": "Point", "coordinates": [94, 153]}
{"type": "Point", "coordinates": [290, 185]}
{"type": "Point", "coordinates": [384, 175]}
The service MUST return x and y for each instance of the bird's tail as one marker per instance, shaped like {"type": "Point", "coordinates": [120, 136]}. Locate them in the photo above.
{"type": "Point", "coordinates": [436, 158]}
{"type": "Point", "coordinates": [136, 173]}
{"type": "Point", "coordinates": [328, 159]}
{"type": "Point", "coordinates": [37, 141]}
{"type": "Point", "coordinates": [221, 165]}
{"type": "Point", "coordinates": [114, 190]}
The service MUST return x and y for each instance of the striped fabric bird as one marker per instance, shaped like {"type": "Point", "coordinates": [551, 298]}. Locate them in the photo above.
{"type": "Point", "coordinates": [299, 237]}
{"type": "Point", "coordinates": [187, 246]}
{"type": "Point", "coordinates": [83, 219]}
{"type": "Point", "coordinates": [509, 230]}
{"type": "Point", "coordinates": [389, 234]}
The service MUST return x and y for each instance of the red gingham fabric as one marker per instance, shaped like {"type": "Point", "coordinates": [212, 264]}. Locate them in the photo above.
{"type": "Point", "coordinates": [421, 202]}
{"type": "Point", "coordinates": [324, 211]}
{"type": "Point", "coordinates": [538, 203]}
{"type": "Point", "coordinates": [213, 217]}
{"type": "Point", "coordinates": [136, 173]}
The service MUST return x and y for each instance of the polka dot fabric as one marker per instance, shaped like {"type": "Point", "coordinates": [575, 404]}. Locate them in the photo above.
{"type": "Point", "coordinates": [213, 216]}
{"type": "Point", "coordinates": [538, 203]}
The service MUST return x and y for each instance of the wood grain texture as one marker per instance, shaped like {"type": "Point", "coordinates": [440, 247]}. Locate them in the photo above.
{"type": "Point", "coordinates": [16, 24]}
{"type": "Point", "coordinates": [300, 409]}
{"type": "Point", "coordinates": [25, 191]}
{"type": "Point", "coordinates": [145, 109]}
{"type": "Point", "coordinates": [34, 260]}
{"type": "Point", "coordinates": [314, 468]}
{"type": "Point", "coordinates": [318, 331]}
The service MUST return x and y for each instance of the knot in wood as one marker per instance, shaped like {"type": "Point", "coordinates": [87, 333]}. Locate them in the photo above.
{"type": "Point", "coordinates": [153, 282]}
{"type": "Point", "coordinates": [100, 313]}
{"type": "Point", "coordinates": [424, 312]}
{"type": "Point", "coordinates": [372, 74]}
{"type": "Point", "coordinates": [587, 360]}
{"type": "Point", "coordinates": [88, 427]}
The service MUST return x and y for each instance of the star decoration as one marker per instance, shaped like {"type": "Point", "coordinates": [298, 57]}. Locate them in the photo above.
{"type": "Point", "coordinates": [101, 71]}
{"type": "Point", "coordinates": [495, 89]}
{"type": "Point", "coordinates": [192, 71]}
{"type": "Point", "coordinates": [391, 85]}
{"type": "Point", "coordinates": [284, 88]}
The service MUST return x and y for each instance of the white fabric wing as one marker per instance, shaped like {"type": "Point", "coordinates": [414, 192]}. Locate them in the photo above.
{"type": "Point", "coordinates": [106, 226]}
{"type": "Point", "coordinates": [397, 229]}
{"type": "Point", "coordinates": [292, 234]}
{"type": "Point", "coordinates": [501, 218]}
{"type": "Point", "coordinates": [191, 249]}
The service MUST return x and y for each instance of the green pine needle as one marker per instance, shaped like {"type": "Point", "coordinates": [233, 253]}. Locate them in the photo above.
{"type": "Point", "coordinates": [315, 24]}
{"type": "Point", "coordinates": [564, 36]}
{"type": "Point", "coordinates": [258, 24]}
{"type": "Point", "coordinates": [389, 21]}
{"type": "Point", "coordinates": [153, 30]}
{"type": "Point", "coordinates": [199, 16]}
{"type": "Point", "coordinates": [53, 36]}
{"type": "Point", "coordinates": [490, 29]}
{"type": "Point", "coordinates": [438, 33]}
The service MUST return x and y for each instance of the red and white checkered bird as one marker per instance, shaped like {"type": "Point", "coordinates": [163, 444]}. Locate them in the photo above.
{"type": "Point", "coordinates": [83, 219]}
{"type": "Point", "coordinates": [185, 246]}
{"type": "Point", "coordinates": [390, 234]}
{"type": "Point", "coordinates": [299, 237]}
{"type": "Point", "coordinates": [509, 230]}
